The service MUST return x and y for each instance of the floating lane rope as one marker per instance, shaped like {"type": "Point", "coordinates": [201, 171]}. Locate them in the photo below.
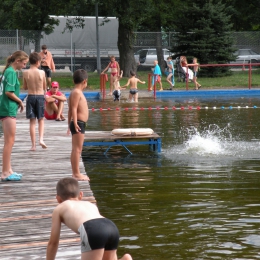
{"type": "Point", "coordinates": [169, 108]}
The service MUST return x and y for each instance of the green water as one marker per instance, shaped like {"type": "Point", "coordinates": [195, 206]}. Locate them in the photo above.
{"type": "Point", "coordinates": [199, 198]}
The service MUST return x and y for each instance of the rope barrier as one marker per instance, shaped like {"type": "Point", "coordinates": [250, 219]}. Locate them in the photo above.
{"type": "Point", "coordinates": [170, 108]}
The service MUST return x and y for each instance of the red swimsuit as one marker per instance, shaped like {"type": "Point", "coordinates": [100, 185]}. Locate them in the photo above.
{"type": "Point", "coordinates": [113, 66]}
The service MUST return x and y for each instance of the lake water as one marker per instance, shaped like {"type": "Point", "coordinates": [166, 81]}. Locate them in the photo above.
{"type": "Point", "coordinates": [200, 197]}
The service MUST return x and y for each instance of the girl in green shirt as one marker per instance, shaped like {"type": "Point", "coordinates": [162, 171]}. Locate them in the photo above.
{"type": "Point", "coordinates": [9, 104]}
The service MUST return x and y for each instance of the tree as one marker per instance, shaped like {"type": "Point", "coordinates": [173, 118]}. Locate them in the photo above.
{"type": "Point", "coordinates": [33, 16]}
{"type": "Point", "coordinates": [246, 14]}
{"type": "Point", "coordinates": [130, 14]}
{"type": "Point", "coordinates": [204, 32]}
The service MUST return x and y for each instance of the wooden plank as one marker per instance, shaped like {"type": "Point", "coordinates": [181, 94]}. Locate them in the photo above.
{"type": "Point", "coordinates": [26, 206]}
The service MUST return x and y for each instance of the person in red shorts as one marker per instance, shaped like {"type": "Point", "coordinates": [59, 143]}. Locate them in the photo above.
{"type": "Point", "coordinates": [54, 103]}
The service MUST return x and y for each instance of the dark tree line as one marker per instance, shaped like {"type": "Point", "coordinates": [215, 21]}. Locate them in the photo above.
{"type": "Point", "coordinates": [202, 26]}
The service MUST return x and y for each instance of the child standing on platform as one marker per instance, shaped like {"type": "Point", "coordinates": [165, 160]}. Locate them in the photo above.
{"type": "Point", "coordinates": [10, 102]}
{"type": "Point", "coordinates": [77, 119]}
{"type": "Point", "coordinates": [34, 80]}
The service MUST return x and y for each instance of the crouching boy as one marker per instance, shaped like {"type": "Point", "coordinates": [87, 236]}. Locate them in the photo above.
{"type": "Point", "coordinates": [99, 235]}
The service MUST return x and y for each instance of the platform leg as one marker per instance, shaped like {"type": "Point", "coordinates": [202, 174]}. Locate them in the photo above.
{"type": "Point", "coordinates": [126, 149]}
{"type": "Point", "coordinates": [151, 147]}
{"type": "Point", "coordinates": [159, 145]}
{"type": "Point", "coordinates": [107, 149]}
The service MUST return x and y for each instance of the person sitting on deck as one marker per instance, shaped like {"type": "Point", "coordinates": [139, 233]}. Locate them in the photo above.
{"type": "Point", "coordinates": [99, 236]}
{"type": "Point", "coordinates": [54, 103]}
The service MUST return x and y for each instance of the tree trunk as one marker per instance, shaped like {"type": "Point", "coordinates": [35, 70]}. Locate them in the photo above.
{"type": "Point", "coordinates": [159, 51]}
{"type": "Point", "coordinates": [125, 46]}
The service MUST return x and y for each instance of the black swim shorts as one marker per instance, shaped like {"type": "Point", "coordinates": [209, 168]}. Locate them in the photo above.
{"type": "Point", "coordinates": [133, 91]}
{"type": "Point", "coordinates": [98, 233]}
{"type": "Point", "coordinates": [47, 71]}
{"type": "Point", "coordinates": [82, 126]}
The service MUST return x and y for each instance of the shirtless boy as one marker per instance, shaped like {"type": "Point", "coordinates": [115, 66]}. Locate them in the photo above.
{"type": "Point", "coordinates": [133, 93]}
{"type": "Point", "coordinates": [34, 80]}
{"type": "Point", "coordinates": [117, 88]}
{"type": "Point", "coordinates": [99, 235]}
{"type": "Point", "coordinates": [77, 119]}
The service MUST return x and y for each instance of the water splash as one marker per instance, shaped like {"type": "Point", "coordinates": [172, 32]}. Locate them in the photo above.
{"type": "Point", "coordinates": [213, 141]}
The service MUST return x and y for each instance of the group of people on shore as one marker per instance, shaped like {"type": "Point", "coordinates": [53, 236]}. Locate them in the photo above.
{"type": "Point", "coordinates": [116, 75]}
{"type": "Point", "coordinates": [99, 235]}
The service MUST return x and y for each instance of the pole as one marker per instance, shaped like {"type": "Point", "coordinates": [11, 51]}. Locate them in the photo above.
{"type": "Point", "coordinates": [17, 39]}
{"type": "Point", "coordinates": [74, 62]}
{"type": "Point", "coordinates": [250, 76]}
{"type": "Point", "coordinates": [187, 78]}
{"type": "Point", "coordinates": [97, 37]}
{"type": "Point", "coordinates": [71, 58]}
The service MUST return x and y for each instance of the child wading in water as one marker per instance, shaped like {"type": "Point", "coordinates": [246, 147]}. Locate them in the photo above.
{"type": "Point", "coordinates": [133, 93]}
{"type": "Point", "coordinates": [117, 88]}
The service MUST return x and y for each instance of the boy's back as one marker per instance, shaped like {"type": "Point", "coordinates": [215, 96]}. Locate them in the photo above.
{"type": "Point", "coordinates": [133, 82]}
{"type": "Point", "coordinates": [73, 213]}
{"type": "Point", "coordinates": [35, 81]}
{"type": "Point", "coordinates": [99, 236]}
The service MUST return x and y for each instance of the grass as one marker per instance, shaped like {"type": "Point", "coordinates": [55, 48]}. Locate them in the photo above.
{"type": "Point", "coordinates": [238, 79]}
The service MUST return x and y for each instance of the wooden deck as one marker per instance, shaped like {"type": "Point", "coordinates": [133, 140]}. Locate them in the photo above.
{"type": "Point", "coordinates": [26, 206]}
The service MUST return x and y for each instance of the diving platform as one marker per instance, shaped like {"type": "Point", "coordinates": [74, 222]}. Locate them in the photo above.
{"type": "Point", "coordinates": [106, 138]}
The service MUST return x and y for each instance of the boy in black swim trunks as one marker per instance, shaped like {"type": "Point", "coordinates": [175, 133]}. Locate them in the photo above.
{"type": "Point", "coordinates": [99, 236]}
{"type": "Point", "coordinates": [133, 93]}
{"type": "Point", "coordinates": [77, 119]}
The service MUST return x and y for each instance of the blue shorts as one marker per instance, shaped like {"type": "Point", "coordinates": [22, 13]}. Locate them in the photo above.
{"type": "Point", "coordinates": [98, 233]}
{"type": "Point", "coordinates": [195, 74]}
{"type": "Point", "coordinates": [35, 106]}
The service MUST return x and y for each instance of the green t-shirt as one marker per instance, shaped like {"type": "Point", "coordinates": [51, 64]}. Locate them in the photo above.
{"type": "Point", "coordinates": [10, 83]}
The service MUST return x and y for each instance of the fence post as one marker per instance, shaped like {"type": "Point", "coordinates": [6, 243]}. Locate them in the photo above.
{"type": "Point", "coordinates": [187, 78]}
{"type": "Point", "coordinates": [250, 76]}
{"type": "Point", "coordinates": [149, 81]}
{"type": "Point", "coordinates": [103, 79]}
{"type": "Point", "coordinates": [154, 86]}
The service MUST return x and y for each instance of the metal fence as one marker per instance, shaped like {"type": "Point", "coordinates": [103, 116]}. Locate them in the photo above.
{"type": "Point", "coordinates": [12, 40]}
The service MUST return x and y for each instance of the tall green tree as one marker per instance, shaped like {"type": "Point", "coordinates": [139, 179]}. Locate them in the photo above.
{"type": "Point", "coordinates": [159, 20]}
{"type": "Point", "coordinates": [204, 32]}
{"type": "Point", "coordinates": [33, 16]}
{"type": "Point", "coordinates": [246, 14]}
{"type": "Point", "coordinates": [130, 14]}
